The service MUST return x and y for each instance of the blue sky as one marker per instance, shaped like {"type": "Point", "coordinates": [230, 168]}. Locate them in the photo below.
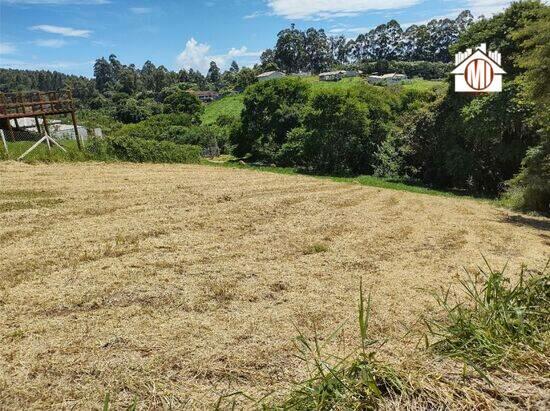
{"type": "Point", "coordinates": [68, 35]}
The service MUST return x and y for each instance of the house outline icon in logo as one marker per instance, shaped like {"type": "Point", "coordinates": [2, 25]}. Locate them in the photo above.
{"type": "Point", "coordinates": [478, 71]}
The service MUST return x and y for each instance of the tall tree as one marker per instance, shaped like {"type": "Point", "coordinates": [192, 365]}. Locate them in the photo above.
{"type": "Point", "coordinates": [214, 75]}
{"type": "Point", "coordinates": [290, 50]}
{"type": "Point", "coordinates": [234, 68]}
{"type": "Point", "coordinates": [103, 73]}
{"type": "Point", "coordinates": [317, 56]}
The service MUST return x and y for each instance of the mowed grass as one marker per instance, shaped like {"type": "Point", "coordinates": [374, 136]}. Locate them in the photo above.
{"type": "Point", "coordinates": [366, 180]}
{"type": "Point", "coordinates": [173, 285]}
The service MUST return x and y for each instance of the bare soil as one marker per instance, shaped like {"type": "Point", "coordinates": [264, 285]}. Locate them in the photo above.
{"type": "Point", "coordinates": [176, 284]}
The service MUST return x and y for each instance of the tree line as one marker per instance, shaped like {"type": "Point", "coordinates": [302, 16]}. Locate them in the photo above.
{"type": "Point", "coordinates": [486, 144]}
{"type": "Point", "coordinates": [314, 51]}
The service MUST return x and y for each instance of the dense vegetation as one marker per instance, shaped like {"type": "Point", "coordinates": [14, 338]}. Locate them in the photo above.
{"type": "Point", "coordinates": [422, 132]}
{"type": "Point", "coordinates": [442, 139]}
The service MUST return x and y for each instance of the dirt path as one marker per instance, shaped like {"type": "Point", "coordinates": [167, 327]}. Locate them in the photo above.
{"type": "Point", "coordinates": [175, 284]}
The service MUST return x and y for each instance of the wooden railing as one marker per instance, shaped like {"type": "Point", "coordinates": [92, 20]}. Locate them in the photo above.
{"type": "Point", "coordinates": [34, 104]}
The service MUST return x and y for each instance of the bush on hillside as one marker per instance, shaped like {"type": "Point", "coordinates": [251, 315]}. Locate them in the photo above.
{"type": "Point", "coordinates": [213, 139]}
{"type": "Point", "coordinates": [271, 110]}
{"type": "Point", "coordinates": [184, 102]}
{"type": "Point", "coordinates": [530, 189]}
{"type": "Point", "coordinates": [336, 134]}
{"type": "Point", "coordinates": [139, 150]}
{"type": "Point", "coordinates": [133, 111]}
{"type": "Point", "coordinates": [426, 69]}
{"type": "Point", "coordinates": [159, 127]}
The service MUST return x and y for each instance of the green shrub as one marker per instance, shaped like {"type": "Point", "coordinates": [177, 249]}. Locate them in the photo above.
{"type": "Point", "coordinates": [213, 139]}
{"type": "Point", "coordinates": [338, 131]}
{"type": "Point", "coordinates": [134, 111]}
{"type": "Point", "coordinates": [181, 101]}
{"type": "Point", "coordinates": [139, 150]}
{"type": "Point", "coordinates": [159, 127]}
{"type": "Point", "coordinates": [271, 110]}
{"type": "Point", "coordinates": [530, 189]}
{"type": "Point", "coordinates": [498, 323]}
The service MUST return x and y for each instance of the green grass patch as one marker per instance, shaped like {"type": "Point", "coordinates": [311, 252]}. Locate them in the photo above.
{"type": "Point", "coordinates": [370, 181]}
{"type": "Point", "coordinates": [316, 249]}
{"type": "Point", "coordinates": [7, 206]}
{"type": "Point", "coordinates": [424, 85]}
{"type": "Point", "coordinates": [42, 154]}
{"type": "Point", "coordinates": [229, 106]}
{"type": "Point", "coordinates": [496, 322]}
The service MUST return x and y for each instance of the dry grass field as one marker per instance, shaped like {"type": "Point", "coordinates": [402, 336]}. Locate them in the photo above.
{"type": "Point", "coordinates": [175, 284]}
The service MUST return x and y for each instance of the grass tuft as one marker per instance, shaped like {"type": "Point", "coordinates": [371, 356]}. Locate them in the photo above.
{"type": "Point", "coordinates": [358, 381]}
{"type": "Point", "coordinates": [499, 323]}
{"type": "Point", "coordinates": [315, 249]}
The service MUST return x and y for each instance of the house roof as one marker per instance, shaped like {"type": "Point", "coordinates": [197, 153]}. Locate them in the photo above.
{"type": "Point", "coordinates": [389, 75]}
{"type": "Point", "coordinates": [332, 73]}
{"type": "Point", "coordinates": [206, 93]}
{"type": "Point", "coordinates": [269, 73]}
{"type": "Point", "coordinates": [478, 54]}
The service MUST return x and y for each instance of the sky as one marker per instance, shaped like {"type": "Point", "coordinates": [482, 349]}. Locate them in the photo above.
{"type": "Point", "coordinates": [68, 35]}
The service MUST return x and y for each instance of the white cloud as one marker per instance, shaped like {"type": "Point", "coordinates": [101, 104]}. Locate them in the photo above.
{"type": "Point", "coordinates": [141, 10]}
{"type": "Point", "coordinates": [487, 7]}
{"type": "Point", "coordinates": [257, 14]}
{"type": "Point", "coordinates": [243, 52]}
{"type": "Point", "coordinates": [324, 9]}
{"type": "Point", "coordinates": [7, 48]}
{"type": "Point", "coordinates": [353, 30]}
{"type": "Point", "coordinates": [195, 56]}
{"type": "Point", "coordinates": [55, 65]}
{"type": "Point", "coordinates": [64, 31]}
{"type": "Point", "coordinates": [52, 43]}
{"type": "Point", "coordinates": [198, 56]}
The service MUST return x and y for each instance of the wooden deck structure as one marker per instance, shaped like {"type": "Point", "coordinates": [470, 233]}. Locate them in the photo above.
{"type": "Point", "coordinates": [37, 104]}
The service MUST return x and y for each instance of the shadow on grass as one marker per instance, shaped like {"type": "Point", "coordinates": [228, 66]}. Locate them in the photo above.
{"type": "Point", "coordinates": [525, 220]}
{"type": "Point", "coordinates": [366, 180]}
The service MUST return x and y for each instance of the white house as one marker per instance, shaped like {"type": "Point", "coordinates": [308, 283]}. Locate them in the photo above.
{"type": "Point", "coordinates": [338, 75]}
{"type": "Point", "coordinates": [478, 71]}
{"type": "Point", "coordinates": [331, 76]}
{"type": "Point", "coordinates": [270, 75]}
{"type": "Point", "coordinates": [387, 79]}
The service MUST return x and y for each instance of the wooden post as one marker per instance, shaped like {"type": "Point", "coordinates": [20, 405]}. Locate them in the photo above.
{"type": "Point", "coordinates": [77, 136]}
{"type": "Point", "coordinates": [73, 116]}
{"type": "Point", "coordinates": [4, 141]}
{"type": "Point", "coordinates": [45, 122]}
{"type": "Point", "coordinates": [37, 125]}
{"type": "Point", "coordinates": [16, 123]}
{"type": "Point", "coordinates": [11, 131]}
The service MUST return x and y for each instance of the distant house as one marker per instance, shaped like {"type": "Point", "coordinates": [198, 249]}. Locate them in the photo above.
{"type": "Point", "coordinates": [205, 96]}
{"type": "Point", "coordinates": [56, 128]}
{"type": "Point", "coordinates": [387, 79]}
{"type": "Point", "coordinates": [270, 75]}
{"type": "Point", "coordinates": [352, 73]}
{"type": "Point", "coordinates": [338, 75]}
{"type": "Point", "coordinates": [332, 76]}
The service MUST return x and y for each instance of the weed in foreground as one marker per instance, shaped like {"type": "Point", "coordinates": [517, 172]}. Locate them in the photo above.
{"type": "Point", "coordinates": [499, 323]}
{"type": "Point", "coordinates": [358, 381]}
{"type": "Point", "coordinates": [315, 249]}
